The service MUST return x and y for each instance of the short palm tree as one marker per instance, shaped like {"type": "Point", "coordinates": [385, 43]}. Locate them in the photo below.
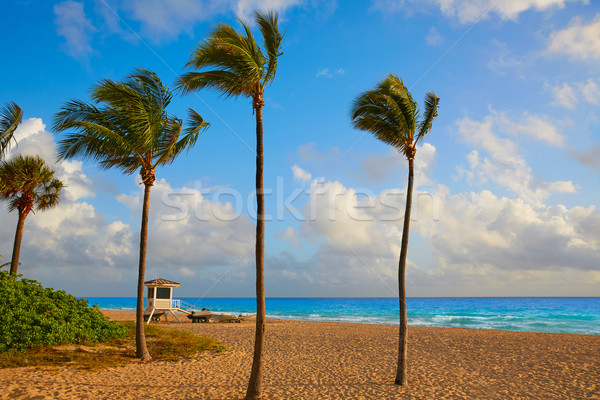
{"type": "Point", "coordinates": [10, 118]}
{"type": "Point", "coordinates": [28, 184]}
{"type": "Point", "coordinates": [392, 116]}
{"type": "Point", "coordinates": [234, 64]}
{"type": "Point", "coordinates": [128, 128]}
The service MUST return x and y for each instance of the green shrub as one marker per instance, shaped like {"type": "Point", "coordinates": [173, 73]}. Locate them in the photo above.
{"type": "Point", "coordinates": [33, 316]}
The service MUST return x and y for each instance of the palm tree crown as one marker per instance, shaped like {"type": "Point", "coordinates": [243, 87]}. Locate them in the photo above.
{"type": "Point", "coordinates": [390, 114]}
{"type": "Point", "coordinates": [131, 129]}
{"type": "Point", "coordinates": [28, 184]}
{"type": "Point", "coordinates": [235, 65]}
{"type": "Point", "coordinates": [10, 118]}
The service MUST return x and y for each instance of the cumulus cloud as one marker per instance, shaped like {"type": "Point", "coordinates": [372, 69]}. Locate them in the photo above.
{"type": "Point", "coordinates": [504, 165]}
{"type": "Point", "coordinates": [480, 242]}
{"type": "Point", "coordinates": [513, 234]}
{"type": "Point", "coordinates": [469, 11]}
{"type": "Point", "coordinates": [192, 227]}
{"type": "Point", "coordinates": [300, 174]}
{"type": "Point", "coordinates": [72, 24]}
{"type": "Point", "coordinates": [578, 41]}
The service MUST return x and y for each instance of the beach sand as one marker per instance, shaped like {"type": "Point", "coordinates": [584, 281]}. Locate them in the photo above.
{"type": "Point", "coordinates": [325, 360]}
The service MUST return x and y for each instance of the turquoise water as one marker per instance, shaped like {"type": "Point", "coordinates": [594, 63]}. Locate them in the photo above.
{"type": "Point", "coordinates": [528, 314]}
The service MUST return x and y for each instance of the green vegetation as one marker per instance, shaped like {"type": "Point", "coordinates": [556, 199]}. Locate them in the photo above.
{"type": "Point", "coordinates": [32, 316]}
{"type": "Point", "coordinates": [166, 344]}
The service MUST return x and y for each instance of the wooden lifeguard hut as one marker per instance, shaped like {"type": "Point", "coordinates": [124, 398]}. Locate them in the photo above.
{"type": "Point", "coordinates": [159, 299]}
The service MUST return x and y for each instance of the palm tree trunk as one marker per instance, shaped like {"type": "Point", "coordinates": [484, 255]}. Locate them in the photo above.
{"type": "Point", "coordinates": [255, 384]}
{"type": "Point", "coordinates": [140, 337]}
{"type": "Point", "coordinates": [14, 264]}
{"type": "Point", "coordinates": [401, 372]}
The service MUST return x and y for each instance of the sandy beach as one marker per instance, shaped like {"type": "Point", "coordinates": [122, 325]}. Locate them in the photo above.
{"type": "Point", "coordinates": [323, 360]}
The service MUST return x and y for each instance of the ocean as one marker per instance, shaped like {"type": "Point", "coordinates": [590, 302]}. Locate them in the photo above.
{"type": "Point", "coordinates": [527, 314]}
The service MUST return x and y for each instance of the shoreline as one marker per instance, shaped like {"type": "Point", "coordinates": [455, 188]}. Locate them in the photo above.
{"type": "Point", "coordinates": [339, 360]}
{"type": "Point", "coordinates": [116, 313]}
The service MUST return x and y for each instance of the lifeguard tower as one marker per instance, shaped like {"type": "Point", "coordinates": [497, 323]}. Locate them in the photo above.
{"type": "Point", "coordinates": [159, 299]}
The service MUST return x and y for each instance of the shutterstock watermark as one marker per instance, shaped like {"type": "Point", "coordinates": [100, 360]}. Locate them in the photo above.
{"type": "Point", "coordinates": [322, 200]}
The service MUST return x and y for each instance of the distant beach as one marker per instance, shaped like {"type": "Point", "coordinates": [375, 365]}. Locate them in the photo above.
{"type": "Point", "coordinates": [326, 360]}
{"type": "Point", "coordinates": [523, 314]}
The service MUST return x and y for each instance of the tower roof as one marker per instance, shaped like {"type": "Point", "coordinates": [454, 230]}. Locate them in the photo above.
{"type": "Point", "coordinates": [161, 282]}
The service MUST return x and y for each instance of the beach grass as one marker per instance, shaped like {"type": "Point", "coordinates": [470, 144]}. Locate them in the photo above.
{"type": "Point", "coordinates": [164, 344]}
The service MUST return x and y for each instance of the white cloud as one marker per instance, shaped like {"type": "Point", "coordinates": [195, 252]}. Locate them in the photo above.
{"type": "Point", "coordinates": [329, 74]}
{"type": "Point", "coordinates": [300, 174]}
{"type": "Point", "coordinates": [565, 96]}
{"type": "Point", "coordinates": [505, 166]}
{"type": "Point", "coordinates": [469, 11]}
{"type": "Point", "coordinates": [245, 8]}
{"type": "Point", "coordinates": [568, 95]}
{"type": "Point", "coordinates": [289, 235]}
{"type": "Point", "coordinates": [166, 19]}
{"type": "Point", "coordinates": [33, 139]}
{"type": "Point", "coordinates": [433, 37]}
{"type": "Point", "coordinates": [590, 91]}
{"type": "Point", "coordinates": [578, 41]}
{"type": "Point", "coordinates": [480, 243]}
{"type": "Point", "coordinates": [162, 20]}
{"type": "Point", "coordinates": [72, 24]}
{"type": "Point", "coordinates": [192, 228]}
{"type": "Point", "coordinates": [513, 234]}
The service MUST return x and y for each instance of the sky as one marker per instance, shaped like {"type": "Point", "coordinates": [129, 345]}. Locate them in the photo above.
{"type": "Point", "coordinates": [506, 183]}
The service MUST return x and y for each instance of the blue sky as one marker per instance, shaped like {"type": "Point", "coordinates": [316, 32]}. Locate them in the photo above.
{"type": "Point", "coordinates": [506, 184]}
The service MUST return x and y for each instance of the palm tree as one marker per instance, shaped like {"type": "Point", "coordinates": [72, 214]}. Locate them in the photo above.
{"type": "Point", "coordinates": [235, 65]}
{"type": "Point", "coordinates": [27, 183]}
{"type": "Point", "coordinates": [10, 118]}
{"type": "Point", "coordinates": [128, 128]}
{"type": "Point", "coordinates": [390, 113]}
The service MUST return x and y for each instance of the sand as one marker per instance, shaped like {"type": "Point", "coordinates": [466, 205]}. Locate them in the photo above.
{"type": "Point", "coordinates": [323, 360]}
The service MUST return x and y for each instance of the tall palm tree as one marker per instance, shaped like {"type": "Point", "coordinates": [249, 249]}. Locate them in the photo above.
{"type": "Point", "coordinates": [28, 184]}
{"type": "Point", "coordinates": [10, 118]}
{"type": "Point", "coordinates": [129, 129]}
{"type": "Point", "coordinates": [392, 116]}
{"type": "Point", "coordinates": [234, 64]}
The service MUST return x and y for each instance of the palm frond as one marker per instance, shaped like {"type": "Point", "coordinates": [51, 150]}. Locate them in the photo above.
{"type": "Point", "coordinates": [390, 113]}
{"type": "Point", "coordinates": [430, 113]}
{"type": "Point", "coordinates": [232, 62]}
{"type": "Point", "coordinates": [11, 116]}
{"type": "Point", "coordinates": [267, 22]}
